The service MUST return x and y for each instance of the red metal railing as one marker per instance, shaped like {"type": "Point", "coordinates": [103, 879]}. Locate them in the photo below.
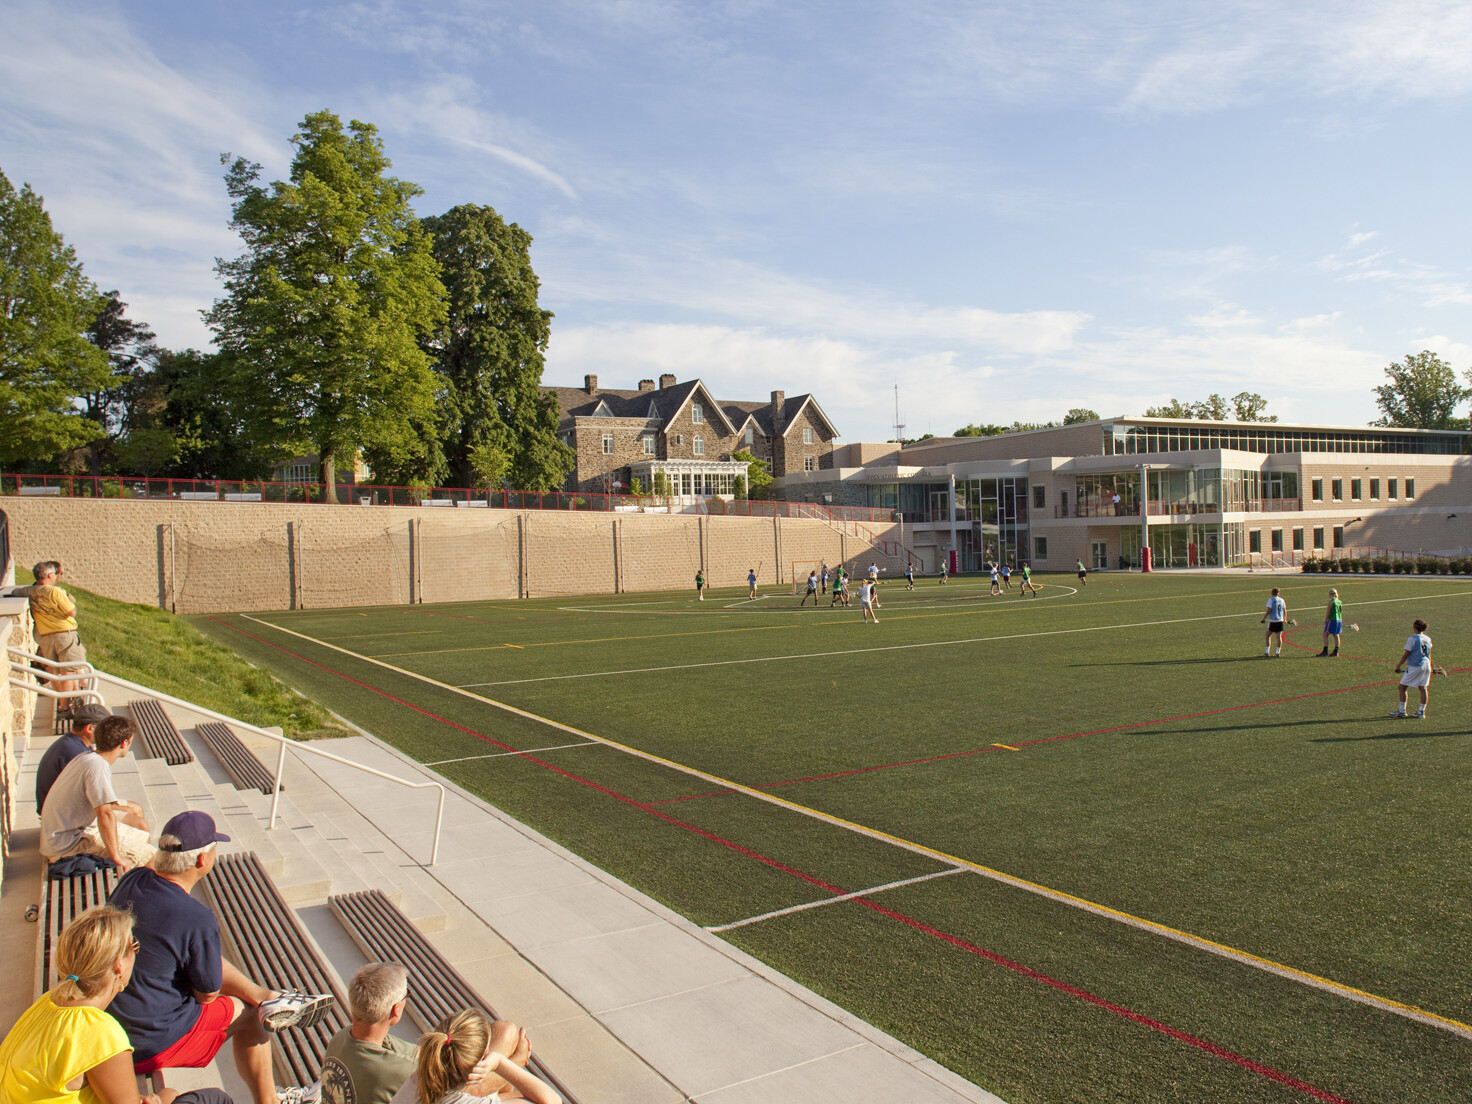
{"type": "Point", "coordinates": [366, 494]}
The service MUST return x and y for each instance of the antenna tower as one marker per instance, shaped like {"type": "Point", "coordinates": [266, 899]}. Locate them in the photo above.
{"type": "Point", "coordinates": [899, 426]}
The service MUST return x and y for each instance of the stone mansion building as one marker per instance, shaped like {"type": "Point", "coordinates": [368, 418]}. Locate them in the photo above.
{"type": "Point", "coordinates": [684, 433]}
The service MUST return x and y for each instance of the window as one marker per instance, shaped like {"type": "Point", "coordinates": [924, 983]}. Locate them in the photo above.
{"type": "Point", "coordinates": [1410, 488]}
{"type": "Point", "coordinates": [1392, 486]}
{"type": "Point", "coordinates": [1298, 540]}
{"type": "Point", "coordinates": [608, 444]}
{"type": "Point", "coordinates": [750, 434]}
{"type": "Point", "coordinates": [809, 463]}
{"type": "Point", "coordinates": [1318, 538]}
{"type": "Point", "coordinates": [1040, 548]}
{"type": "Point", "coordinates": [1354, 490]}
{"type": "Point", "coordinates": [697, 415]}
{"type": "Point", "coordinates": [1277, 540]}
{"type": "Point", "coordinates": [1039, 499]}
{"type": "Point", "coordinates": [698, 445]}
{"type": "Point", "coordinates": [1254, 540]}
{"type": "Point", "coordinates": [1338, 536]}
{"type": "Point", "coordinates": [1336, 488]}
{"type": "Point", "coordinates": [1318, 490]}
{"type": "Point", "coordinates": [807, 435]}
{"type": "Point", "coordinates": [648, 444]}
{"type": "Point", "coordinates": [1374, 490]}
{"type": "Point", "coordinates": [299, 473]}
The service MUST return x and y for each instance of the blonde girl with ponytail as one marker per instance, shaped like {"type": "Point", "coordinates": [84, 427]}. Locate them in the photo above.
{"type": "Point", "coordinates": [469, 1060]}
{"type": "Point", "coordinates": [65, 1049]}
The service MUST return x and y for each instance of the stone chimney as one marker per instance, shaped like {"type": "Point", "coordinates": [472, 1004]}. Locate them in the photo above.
{"type": "Point", "coordinates": [646, 385]}
{"type": "Point", "coordinates": [590, 384]}
{"type": "Point", "coordinates": [666, 380]}
{"type": "Point", "coordinates": [779, 400]}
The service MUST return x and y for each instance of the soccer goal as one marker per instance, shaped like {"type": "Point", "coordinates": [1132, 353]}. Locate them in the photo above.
{"type": "Point", "coordinates": [800, 570]}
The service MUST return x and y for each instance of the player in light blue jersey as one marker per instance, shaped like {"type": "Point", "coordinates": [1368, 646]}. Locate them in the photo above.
{"type": "Point", "coordinates": [1276, 615]}
{"type": "Point", "coordinates": [1416, 659]}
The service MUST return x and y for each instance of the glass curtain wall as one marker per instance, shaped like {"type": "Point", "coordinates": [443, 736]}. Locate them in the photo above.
{"type": "Point", "coordinates": [1094, 495]}
{"type": "Point", "coordinates": [996, 510]}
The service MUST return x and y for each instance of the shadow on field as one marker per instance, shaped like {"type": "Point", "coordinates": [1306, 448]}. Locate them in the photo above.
{"type": "Point", "coordinates": [1172, 662]}
{"type": "Point", "coordinates": [1407, 733]}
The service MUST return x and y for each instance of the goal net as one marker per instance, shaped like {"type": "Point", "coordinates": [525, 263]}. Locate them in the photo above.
{"type": "Point", "coordinates": [800, 570]}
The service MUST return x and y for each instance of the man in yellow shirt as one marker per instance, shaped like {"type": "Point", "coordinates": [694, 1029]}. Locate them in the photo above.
{"type": "Point", "coordinates": [55, 617]}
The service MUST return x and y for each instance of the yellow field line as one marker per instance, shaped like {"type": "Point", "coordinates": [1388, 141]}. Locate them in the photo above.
{"type": "Point", "coordinates": [1348, 992]}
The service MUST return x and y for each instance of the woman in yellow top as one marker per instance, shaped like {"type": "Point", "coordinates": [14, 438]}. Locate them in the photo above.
{"type": "Point", "coordinates": [65, 1049]}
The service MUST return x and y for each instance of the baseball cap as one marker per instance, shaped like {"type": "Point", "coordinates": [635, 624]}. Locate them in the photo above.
{"type": "Point", "coordinates": [193, 830]}
{"type": "Point", "coordinates": [89, 713]}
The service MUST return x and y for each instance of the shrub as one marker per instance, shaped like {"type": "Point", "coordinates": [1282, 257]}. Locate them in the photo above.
{"type": "Point", "coordinates": [1382, 565]}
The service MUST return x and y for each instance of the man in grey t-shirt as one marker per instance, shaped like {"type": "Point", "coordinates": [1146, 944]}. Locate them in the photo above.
{"type": "Point", "coordinates": [82, 814]}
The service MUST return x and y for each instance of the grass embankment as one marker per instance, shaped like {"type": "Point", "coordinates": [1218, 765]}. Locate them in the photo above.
{"type": "Point", "coordinates": [165, 652]}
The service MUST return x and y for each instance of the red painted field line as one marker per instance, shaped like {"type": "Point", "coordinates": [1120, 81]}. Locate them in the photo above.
{"type": "Point", "coordinates": [1308, 648]}
{"type": "Point", "coordinates": [991, 956]}
{"type": "Point", "coordinates": [1031, 743]}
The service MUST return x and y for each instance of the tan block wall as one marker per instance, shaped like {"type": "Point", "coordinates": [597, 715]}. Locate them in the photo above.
{"type": "Point", "coordinates": [207, 557]}
{"type": "Point", "coordinates": [17, 709]}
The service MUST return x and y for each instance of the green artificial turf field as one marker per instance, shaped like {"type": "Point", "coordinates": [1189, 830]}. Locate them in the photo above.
{"type": "Point", "coordinates": [1139, 862]}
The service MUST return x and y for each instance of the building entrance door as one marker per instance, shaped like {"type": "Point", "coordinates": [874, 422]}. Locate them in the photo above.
{"type": "Point", "coordinates": [1101, 555]}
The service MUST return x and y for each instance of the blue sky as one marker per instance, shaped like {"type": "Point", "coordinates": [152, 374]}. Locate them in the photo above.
{"type": "Point", "coordinates": [1005, 209]}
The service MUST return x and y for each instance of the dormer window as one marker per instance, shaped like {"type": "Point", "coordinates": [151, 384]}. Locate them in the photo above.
{"type": "Point", "coordinates": [653, 411]}
{"type": "Point", "coordinates": [750, 434]}
{"type": "Point", "coordinates": [602, 411]}
{"type": "Point", "coordinates": [697, 414]}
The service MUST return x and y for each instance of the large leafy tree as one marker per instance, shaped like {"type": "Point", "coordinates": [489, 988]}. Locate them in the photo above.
{"type": "Point", "coordinates": [1423, 393]}
{"type": "Point", "coordinates": [495, 422]}
{"type": "Point", "coordinates": [130, 351]}
{"type": "Point", "coordinates": [1245, 406]}
{"type": "Point", "coordinates": [46, 305]}
{"type": "Point", "coordinates": [326, 307]}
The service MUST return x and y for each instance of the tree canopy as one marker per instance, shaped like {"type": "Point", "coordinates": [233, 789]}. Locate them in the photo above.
{"type": "Point", "coordinates": [326, 307]}
{"type": "Point", "coordinates": [494, 421]}
{"type": "Point", "coordinates": [759, 476]}
{"type": "Point", "coordinates": [1423, 393]}
{"type": "Point", "coordinates": [46, 305]}
{"type": "Point", "coordinates": [1245, 406]}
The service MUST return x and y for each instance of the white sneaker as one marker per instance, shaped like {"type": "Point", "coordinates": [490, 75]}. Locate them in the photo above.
{"type": "Point", "coordinates": [1401, 713]}
{"type": "Point", "coordinates": [303, 1094]}
{"type": "Point", "coordinates": [294, 1008]}
{"type": "Point", "coordinates": [1421, 715]}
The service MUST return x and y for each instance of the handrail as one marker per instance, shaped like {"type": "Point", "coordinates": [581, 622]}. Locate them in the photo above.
{"type": "Point", "coordinates": [51, 676]}
{"type": "Point", "coordinates": [23, 654]}
{"type": "Point", "coordinates": [37, 688]}
{"type": "Point", "coordinates": [283, 743]}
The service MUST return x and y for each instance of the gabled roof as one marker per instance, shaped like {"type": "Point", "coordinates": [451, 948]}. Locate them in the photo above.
{"type": "Point", "coordinates": [759, 412]}
{"type": "Point", "coordinates": [794, 406]}
{"type": "Point", "coordinates": [665, 403]}
{"type": "Point", "coordinates": [709, 406]}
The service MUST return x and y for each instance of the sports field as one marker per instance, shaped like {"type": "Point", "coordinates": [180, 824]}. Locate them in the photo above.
{"type": "Point", "coordinates": [1085, 847]}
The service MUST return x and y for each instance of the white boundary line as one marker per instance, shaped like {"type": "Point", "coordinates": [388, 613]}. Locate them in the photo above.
{"type": "Point", "coordinates": [835, 900]}
{"type": "Point", "coordinates": [1245, 958]}
{"type": "Point", "coordinates": [503, 754]}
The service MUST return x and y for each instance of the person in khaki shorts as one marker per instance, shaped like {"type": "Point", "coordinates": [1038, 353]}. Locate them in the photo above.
{"type": "Point", "coordinates": [83, 815]}
{"type": "Point", "coordinates": [55, 617]}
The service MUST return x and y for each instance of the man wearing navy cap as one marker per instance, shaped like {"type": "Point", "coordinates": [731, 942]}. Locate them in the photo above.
{"type": "Point", "coordinates": [185, 999]}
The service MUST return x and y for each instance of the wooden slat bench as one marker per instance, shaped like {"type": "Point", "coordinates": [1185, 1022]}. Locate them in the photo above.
{"type": "Point", "coordinates": [263, 936]}
{"type": "Point", "coordinates": [62, 901]}
{"type": "Point", "coordinates": [436, 988]}
{"type": "Point", "coordinates": [240, 763]}
{"type": "Point", "coordinates": [161, 740]}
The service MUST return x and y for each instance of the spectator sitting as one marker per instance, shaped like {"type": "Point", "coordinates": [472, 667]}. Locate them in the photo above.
{"type": "Point", "coordinates": [364, 1063]}
{"type": "Point", "coordinates": [468, 1060]}
{"type": "Point", "coordinates": [184, 999]}
{"type": "Point", "coordinates": [55, 617]}
{"type": "Point", "coordinates": [82, 814]}
{"type": "Point", "coordinates": [65, 1048]}
{"type": "Point", "coordinates": [82, 737]}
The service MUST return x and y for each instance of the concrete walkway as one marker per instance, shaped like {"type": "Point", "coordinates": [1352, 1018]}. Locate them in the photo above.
{"type": "Point", "coordinates": [716, 1024]}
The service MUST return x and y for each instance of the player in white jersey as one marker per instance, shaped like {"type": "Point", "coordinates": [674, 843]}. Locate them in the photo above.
{"type": "Point", "coordinates": [996, 579]}
{"type": "Point", "coordinates": [1276, 615]}
{"type": "Point", "coordinates": [1416, 659]}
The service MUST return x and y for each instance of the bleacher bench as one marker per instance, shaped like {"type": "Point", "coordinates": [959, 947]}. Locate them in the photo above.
{"type": "Point", "coordinates": [436, 988]}
{"type": "Point", "coordinates": [262, 935]}
{"type": "Point", "coordinates": [161, 740]}
{"type": "Point", "coordinates": [240, 763]}
{"type": "Point", "coordinates": [62, 901]}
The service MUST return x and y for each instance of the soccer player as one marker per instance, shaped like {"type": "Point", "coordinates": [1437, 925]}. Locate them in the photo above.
{"type": "Point", "coordinates": [837, 590]}
{"type": "Point", "coordinates": [700, 584]}
{"type": "Point", "coordinates": [1027, 583]}
{"type": "Point", "coordinates": [750, 583]}
{"type": "Point", "coordinates": [866, 600]}
{"type": "Point", "coordinates": [812, 591]}
{"type": "Point", "coordinates": [996, 580]}
{"type": "Point", "coordinates": [945, 569]}
{"type": "Point", "coordinates": [1007, 576]}
{"type": "Point", "coordinates": [1416, 659]}
{"type": "Point", "coordinates": [1277, 613]}
{"type": "Point", "coordinates": [1333, 622]}
{"type": "Point", "coordinates": [909, 576]}
{"type": "Point", "coordinates": [1083, 573]}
